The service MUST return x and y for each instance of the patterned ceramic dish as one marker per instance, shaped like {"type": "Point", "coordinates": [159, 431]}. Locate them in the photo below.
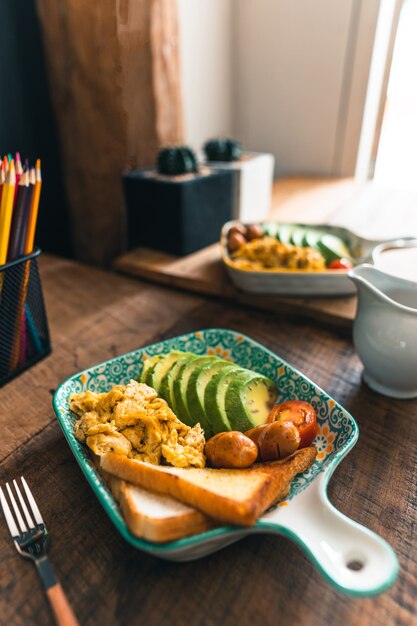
{"type": "Point", "coordinates": [300, 282]}
{"type": "Point", "coordinates": [353, 558]}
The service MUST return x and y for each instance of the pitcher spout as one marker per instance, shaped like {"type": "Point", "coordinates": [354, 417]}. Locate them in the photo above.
{"type": "Point", "coordinates": [368, 280]}
{"type": "Point", "coordinates": [372, 283]}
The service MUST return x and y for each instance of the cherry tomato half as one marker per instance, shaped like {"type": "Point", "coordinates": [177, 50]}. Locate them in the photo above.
{"type": "Point", "coordinates": [301, 414]}
{"type": "Point", "coordinates": [340, 264]}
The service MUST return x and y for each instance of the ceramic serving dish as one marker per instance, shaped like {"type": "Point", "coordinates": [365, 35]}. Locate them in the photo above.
{"type": "Point", "coordinates": [352, 558]}
{"type": "Point", "coordinates": [299, 282]}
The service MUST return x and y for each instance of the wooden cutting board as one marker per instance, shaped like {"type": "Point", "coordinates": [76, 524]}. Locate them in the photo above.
{"type": "Point", "coordinates": [366, 209]}
{"type": "Point", "coordinates": [203, 272]}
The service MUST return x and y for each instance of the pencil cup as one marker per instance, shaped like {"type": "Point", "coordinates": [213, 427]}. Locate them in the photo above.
{"type": "Point", "coordinates": [24, 334]}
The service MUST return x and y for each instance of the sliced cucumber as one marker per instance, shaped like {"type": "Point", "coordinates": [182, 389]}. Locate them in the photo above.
{"type": "Point", "coordinates": [249, 399]}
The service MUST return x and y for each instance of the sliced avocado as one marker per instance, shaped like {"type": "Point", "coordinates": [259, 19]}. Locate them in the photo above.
{"type": "Point", "coordinates": [271, 229]}
{"type": "Point", "coordinates": [180, 391]}
{"type": "Point", "coordinates": [195, 415]}
{"type": "Point", "coordinates": [297, 236]}
{"type": "Point", "coordinates": [173, 376]}
{"type": "Point", "coordinates": [214, 397]}
{"type": "Point", "coordinates": [165, 389]}
{"type": "Point", "coordinates": [312, 236]}
{"type": "Point", "coordinates": [199, 379]}
{"type": "Point", "coordinates": [249, 398]}
{"type": "Point", "coordinates": [284, 232]}
{"type": "Point", "coordinates": [162, 367]}
{"type": "Point", "coordinates": [332, 248]}
{"type": "Point", "coordinates": [148, 366]}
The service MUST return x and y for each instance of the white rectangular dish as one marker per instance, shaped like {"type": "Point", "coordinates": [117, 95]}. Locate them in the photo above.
{"type": "Point", "coordinates": [282, 282]}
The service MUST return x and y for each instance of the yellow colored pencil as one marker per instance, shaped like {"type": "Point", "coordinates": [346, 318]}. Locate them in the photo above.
{"type": "Point", "coordinates": [33, 213]}
{"type": "Point", "coordinates": [2, 179]}
{"type": "Point", "coordinates": [6, 211]}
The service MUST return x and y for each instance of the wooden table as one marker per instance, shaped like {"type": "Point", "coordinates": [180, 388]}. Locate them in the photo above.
{"type": "Point", "coordinates": [262, 580]}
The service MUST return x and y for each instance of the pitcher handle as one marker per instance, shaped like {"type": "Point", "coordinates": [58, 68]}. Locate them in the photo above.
{"type": "Point", "coordinates": [390, 244]}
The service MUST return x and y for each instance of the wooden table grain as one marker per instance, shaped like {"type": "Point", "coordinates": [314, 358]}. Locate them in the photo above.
{"type": "Point", "coordinates": [263, 580]}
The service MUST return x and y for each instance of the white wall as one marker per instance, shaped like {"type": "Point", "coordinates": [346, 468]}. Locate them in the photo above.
{"type": "Point", "coordinates": [206, 58]}
{"type": "Point", "coordinates": [290, 61]}
{"type": "Point", "coordinates": [283, 76]}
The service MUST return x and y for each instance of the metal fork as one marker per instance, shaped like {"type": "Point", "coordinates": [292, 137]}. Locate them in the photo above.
{"type": "Point", "coordinates": [32, 542]}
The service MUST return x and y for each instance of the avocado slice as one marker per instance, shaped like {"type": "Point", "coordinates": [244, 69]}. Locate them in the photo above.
{"type": "Point", "coordinates": [214, 397]}
{"type": "Point", "coordinates": [312, 236]}
{"type": "Point", "coordinates": [332, 248]}
{"type": "Point", "coordinates": [249, 398]}
{"type": "Point", "coordinates": [165, 389]}
{"type": "Point", "coordinates": [199, 379]}
{"type": "Point", "coordinates": [148, 366]}
{"type": "Point", "coordinates": [196, 413]}
{"type": "Point", "coordinates": [284, 233]}
{"type": "Point", "coordinates": [297, 236]}
{"type": "Point", "coordinates": [161, 368]}
{"type": "Point", "coordinates": [271, 229]}
{"type": "Point", "coordinates": [180, 387]}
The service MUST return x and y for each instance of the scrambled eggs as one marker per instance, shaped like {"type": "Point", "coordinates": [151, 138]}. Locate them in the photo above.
{"type": "Point", "coordinates": [132, 421]}
{"type": "Point", "coordinates": [268, 253]}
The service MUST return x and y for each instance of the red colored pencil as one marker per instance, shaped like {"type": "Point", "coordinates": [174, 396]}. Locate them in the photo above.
{"type": "Point", "coordinates": [19, 172]}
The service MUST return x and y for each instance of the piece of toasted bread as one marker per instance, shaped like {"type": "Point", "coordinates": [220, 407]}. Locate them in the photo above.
{"type": "Point", "coordinates": [159, 518]}
{"type": "Point", "coordinates": [229, 495]}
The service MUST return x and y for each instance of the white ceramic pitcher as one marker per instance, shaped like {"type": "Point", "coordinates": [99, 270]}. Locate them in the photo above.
{"type": "Point", "coordinates": [385, 331]}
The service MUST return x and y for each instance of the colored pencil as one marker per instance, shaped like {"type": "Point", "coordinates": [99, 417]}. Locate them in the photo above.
{"type": "Point", "coordinates": [16, 249]}
{"type": "Point", "coordinates": [19, 171]}
{"type": "Point", "coordinates": [6, 210]}
{"type": "Point", "coordinates": [33, 212]}
{"type": "Point", "coordinates": [2, 179]}
{"type": "Point", "coordinates": [19, 218]}
{"type": "Point", "coordinates": [20, 188]}
{"type": "Point", "coordinates": [18, 167]}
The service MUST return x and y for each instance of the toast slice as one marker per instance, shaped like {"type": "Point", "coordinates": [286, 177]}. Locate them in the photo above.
{"type": "Point", "coordinates": [156, 517]}
{"type": "Point", "coordinates": [227, 495]}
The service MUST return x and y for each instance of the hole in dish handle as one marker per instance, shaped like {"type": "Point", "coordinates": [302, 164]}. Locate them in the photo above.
{"type": "Point", "coordinates": [353, 558]}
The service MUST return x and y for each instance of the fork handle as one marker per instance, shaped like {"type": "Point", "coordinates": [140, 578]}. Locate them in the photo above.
{"type": "Point", "coordinates": [61, 608]}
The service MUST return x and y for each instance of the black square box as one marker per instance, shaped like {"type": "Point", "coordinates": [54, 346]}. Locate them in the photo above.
{"type": "Point", "coordinates": [178, 215]}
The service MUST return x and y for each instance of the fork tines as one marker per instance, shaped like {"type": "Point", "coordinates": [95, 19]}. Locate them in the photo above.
{"type": "Point", "coordinates": [22, 516]}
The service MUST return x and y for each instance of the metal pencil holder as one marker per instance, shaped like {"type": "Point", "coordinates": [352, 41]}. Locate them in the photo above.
{"type": "Point", "coordinates": [24, 334]}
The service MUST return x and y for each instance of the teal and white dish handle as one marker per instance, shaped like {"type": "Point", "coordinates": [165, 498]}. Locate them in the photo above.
{"type": "Point", "coordinates": [351, 557]}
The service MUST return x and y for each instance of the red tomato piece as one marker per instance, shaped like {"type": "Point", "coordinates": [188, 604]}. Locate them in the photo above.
{"type": "Point", "coordinates": [340, 264]}
{"type": "Point", "coordinates": [301, 414]}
